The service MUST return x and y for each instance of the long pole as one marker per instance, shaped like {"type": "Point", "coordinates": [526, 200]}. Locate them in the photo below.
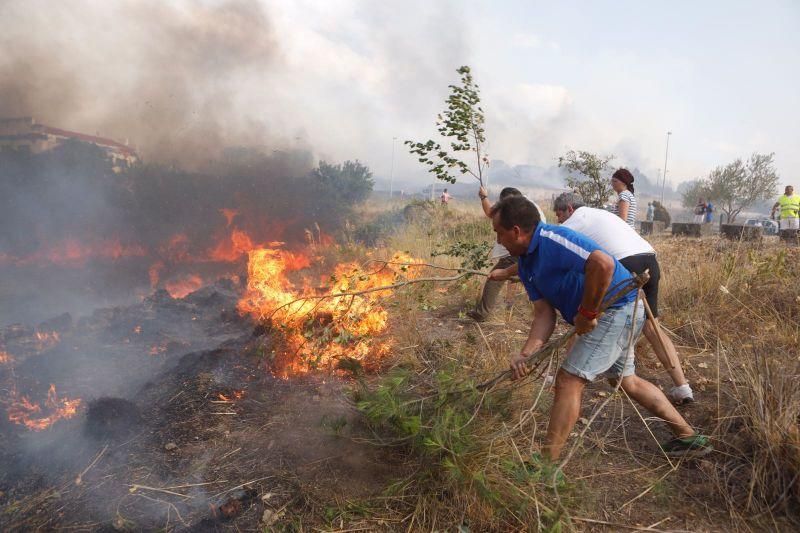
{"type": "Point", "coordinates": [664, 180]}
{"type": "Point", "coordinates": [391, 172]}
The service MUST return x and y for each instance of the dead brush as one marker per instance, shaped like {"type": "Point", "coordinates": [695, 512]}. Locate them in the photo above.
{"type": "Point", "coordinates": [745, 298]}
{"type": "Point", "coordinates": [760, 477]}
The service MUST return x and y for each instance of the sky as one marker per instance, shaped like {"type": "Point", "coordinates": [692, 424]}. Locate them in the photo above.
{"type": "Point", "coordinates": [345, 78]}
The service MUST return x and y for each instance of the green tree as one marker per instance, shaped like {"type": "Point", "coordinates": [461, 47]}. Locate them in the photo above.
{"type": "Point", "coordinates": [350, 182]}
{"type": "Point", "coordinates": [587, 176]}
{"type": "Point", "coordinates": [738, 185]}
{"type": "Point", "coordinates": [694, 190]}
{"type": "Point", "coordinates": [462, 122]}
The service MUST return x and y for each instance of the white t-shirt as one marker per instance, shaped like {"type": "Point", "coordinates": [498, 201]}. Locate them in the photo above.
{"type": "Point", "coordinates": [498, 250]}
{"type": "Point", "coordinates": [612, 233]}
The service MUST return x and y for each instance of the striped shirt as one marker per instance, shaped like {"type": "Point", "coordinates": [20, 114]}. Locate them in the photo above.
{"type": "Point", "coordinates": [626, 196]}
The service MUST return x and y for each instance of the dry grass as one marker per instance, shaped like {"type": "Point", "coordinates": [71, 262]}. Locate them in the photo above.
{"type": "Point", "coordinates": [734, 312]}
{"type": "Point", "coordinates": [743, 302]}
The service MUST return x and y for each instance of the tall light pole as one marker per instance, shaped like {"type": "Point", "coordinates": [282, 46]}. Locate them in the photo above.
{"type": "Point", "coordinates": [391, 172]}
{"type": "Point", "coordinates": [664, 180]}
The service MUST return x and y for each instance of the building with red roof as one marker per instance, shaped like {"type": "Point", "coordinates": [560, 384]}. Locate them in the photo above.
{"type": "Point", "coordinates": [25, 134]}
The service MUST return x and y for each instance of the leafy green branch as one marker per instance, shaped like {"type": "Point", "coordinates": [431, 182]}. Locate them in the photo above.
{"type": "Point", "coordinates": [463, 123]}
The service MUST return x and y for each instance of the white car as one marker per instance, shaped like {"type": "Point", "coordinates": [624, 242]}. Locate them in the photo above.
{"type": "Point", "coordinates": [770, 226]}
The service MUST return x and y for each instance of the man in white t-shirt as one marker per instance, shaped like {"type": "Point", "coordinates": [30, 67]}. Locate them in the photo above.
{"type": "Point", "coordinates": [491, 288]}
{"type": "Point", "coordinates": [637, 255]}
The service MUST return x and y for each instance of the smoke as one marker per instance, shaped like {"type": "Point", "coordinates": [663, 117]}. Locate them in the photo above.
{"type": "Point", "coordinates": [184, 81]}
{"type": "Point", "coordinates": [170, 76]}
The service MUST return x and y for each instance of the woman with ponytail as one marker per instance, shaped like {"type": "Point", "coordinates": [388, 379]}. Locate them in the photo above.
{"type": "Point", "coordinates": [625, 208]}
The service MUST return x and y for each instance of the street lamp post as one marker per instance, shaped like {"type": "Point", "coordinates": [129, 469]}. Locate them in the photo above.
{"type": "Point", "coordinates": [664, 180]}
{"type": "Point", "coordinates": [391, 172]}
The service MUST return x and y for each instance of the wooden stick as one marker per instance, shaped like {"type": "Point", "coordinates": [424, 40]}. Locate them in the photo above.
{"type": "Point", "coordinates": [613, 524]}
{"type": "Point", "coordinates": [657, 327]}
{"type": "Point", "coordinates": [464, 272]}
{"type": "Point", "coordinates": [79, 479]}
{"type": "Point", "coordinates": [634, 283]}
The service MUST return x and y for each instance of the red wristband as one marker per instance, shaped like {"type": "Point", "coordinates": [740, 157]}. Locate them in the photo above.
{"type": "Point", "coordinates": [591, 315]}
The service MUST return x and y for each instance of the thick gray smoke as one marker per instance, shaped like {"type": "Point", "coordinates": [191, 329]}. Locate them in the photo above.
{"type": "Point", "coordinates": [165, 75]}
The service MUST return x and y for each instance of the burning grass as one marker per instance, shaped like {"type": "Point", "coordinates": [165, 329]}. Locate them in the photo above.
{"type": "Point", "coordinates": [222, 444]}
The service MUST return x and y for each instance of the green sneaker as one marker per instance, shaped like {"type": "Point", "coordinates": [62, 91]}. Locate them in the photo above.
{"type": "Point", "coordinates": [695, 446]}
{"type": "Point", "coordinates": [544, 471]}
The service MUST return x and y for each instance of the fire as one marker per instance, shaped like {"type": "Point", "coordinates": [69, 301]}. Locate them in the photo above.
{"type": "Point", "coordinates": [157, 349]}
{"type": "Point", "coordinates": [236, 395]}
{"type": "Point", "coordinates": [72, 253]}
{"type": "Point", "coordinates": [46, 340]}
{"type": "Point", "coordinates": [317, 332]}
{"type": "Point", "coordinates": [24, 412]}
{"type": "Point", "coordinates": [181, 287]}
{"type": "Point", "coordinates": [230, 249]}
{"type": "Point", "coordinates": [5, 358]}
{"type": "Point", "coordinates": [176, 249]}
{"type": "Point", "coordinates": [229, 215]}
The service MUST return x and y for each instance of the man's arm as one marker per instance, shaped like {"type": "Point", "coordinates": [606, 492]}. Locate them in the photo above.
{"type": "Point", "coordinates": [503, 274]}
{"type": "Point", "coordinates": [599, 271]}
{"type": "Point", "coordinates": [485, 204]}
{"type": "Point", "coordinates": [774, 207]}
{"type": "Point", "coordinates": [544, 322]}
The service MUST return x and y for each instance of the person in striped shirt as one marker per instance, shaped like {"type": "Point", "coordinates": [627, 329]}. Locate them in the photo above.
{"type": "Point", "coordinates": [625, 208]}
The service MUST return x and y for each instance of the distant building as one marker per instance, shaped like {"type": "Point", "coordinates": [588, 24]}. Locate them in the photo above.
{"type": "Point", "coordinates": [24, 134]}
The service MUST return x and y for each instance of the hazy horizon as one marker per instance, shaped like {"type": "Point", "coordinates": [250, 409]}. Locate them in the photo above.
{"type": "Point", "coordinates": [343, 79]}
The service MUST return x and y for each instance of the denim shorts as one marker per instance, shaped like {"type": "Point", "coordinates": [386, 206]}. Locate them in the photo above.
{"type": "Point", "coordinates": [604, 350]}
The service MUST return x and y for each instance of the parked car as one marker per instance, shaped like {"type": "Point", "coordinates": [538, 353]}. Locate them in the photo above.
{"type": "Point", "coordinates": [770, 226]}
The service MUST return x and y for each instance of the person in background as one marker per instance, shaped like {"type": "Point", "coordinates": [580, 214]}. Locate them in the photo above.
{"type": "Point", "coordinates": [625, 208]}
{"type": "Point", "coordinates": [565, 271]}
{"type": "Point", "coordinates": [700, 211]}
{"type": "Point", "coordinates": [491, 288]}
{"type": "Point", "coordinates": [651, 211]}
{"type": "Point", "coordinates": [789, 205]}
{"type": "Point", "coordinates": [445, 198]}
{"type": "Point", "coordinates": [709, 212]}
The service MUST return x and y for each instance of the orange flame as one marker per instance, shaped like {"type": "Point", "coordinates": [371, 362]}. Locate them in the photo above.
{"type": "Point", "coordinates": [5, 358]}
{"type": "Point", "coordinates": [71, 252]}
{"type": "Point", "coordinates": [233, 247]}
{"type": "Point", "coordinates": [236, 395]}
{"type": "Point", "coordinates": [319, 331]}
{"type": "Point", "coordinates": [181, 287]}
{"type": "Point", "coordinates": [229, 214]}
{"type": "Point", "coordinates": [46, 340]}
{"type": "Point", "coordinates": [157, 349]}
{"type": "Point", "coordinates": [24, 412]}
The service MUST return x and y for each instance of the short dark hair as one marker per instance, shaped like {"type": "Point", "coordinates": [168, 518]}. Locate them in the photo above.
{"type": "Point", "coordinates": [566, 199]}
{"type": "Point", "coordinates": [509, 191]}
{"type": "Point", "coordinates": [516, 211]}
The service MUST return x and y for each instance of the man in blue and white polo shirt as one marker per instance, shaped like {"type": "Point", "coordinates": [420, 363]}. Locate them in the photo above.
{"type": "Point", "coordinates": [566, 271]}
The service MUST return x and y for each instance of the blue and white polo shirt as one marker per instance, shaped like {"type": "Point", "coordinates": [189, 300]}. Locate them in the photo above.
{"type": "Point", "coordinates": [554, 269]}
